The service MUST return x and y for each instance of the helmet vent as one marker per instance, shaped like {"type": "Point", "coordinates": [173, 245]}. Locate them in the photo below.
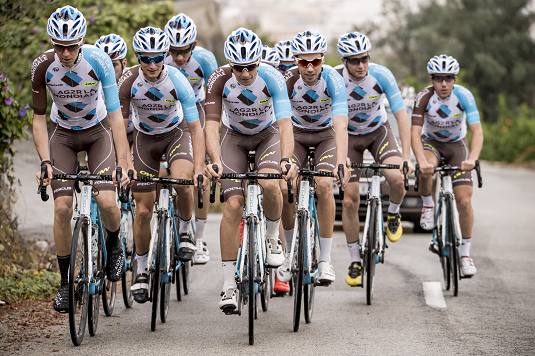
{"type": "Point", "coordinates": [65, 30]}
{"type": "Point", "coordinates": [178, 37]}
{"type": "Point", "coordinates": [243, 52]}
{"type": "Point", "coordinates": [152, 42]}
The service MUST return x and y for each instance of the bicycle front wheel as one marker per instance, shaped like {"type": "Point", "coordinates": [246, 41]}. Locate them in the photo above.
{"type": "Point", "coordinates": [166, 287]}
{"type": "Point", "coordinates": [443, 250]}
{"type": "Point", "coordinates": [265, 292]}
{"type": "Point", "coordinates": [298, 277]}
{"type": "Point", "coordinates": [251, 278]}
{"type": "Point", "coordinates": [155, 271]}
{"type": "Point", "coordinates": [109, 292]}
{"type": "Point", "coordinates": [309, 289]}
{"type": "Point", "coordinates": [452, 245]}
{"type": "Point", "coordinates": [371, 252]}
{"type": "Point", "coordinates": [78, 284]}
{"type": "Point", "coordinates": [127, 279]}
{"type": "Point", "coordinates": [99, 279]}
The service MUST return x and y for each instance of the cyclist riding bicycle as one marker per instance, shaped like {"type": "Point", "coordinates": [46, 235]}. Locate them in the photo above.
{"type": "Point", "coordinates": [197, 64]}
{"type": "Point", "coordinates": [367, 85]}
{"type": "Point", "coordinates": [81, 119]}
{"type": "Point", "coordinates": [167, 121]}
{"type": "Point", "coordinates": [439, 130]}
{"type": "Point", "coordinates": [319, 120]}
{"type": "Point", "coordinates": [256, 117]}
{"type": "Point", "coordinates": [286, 57]}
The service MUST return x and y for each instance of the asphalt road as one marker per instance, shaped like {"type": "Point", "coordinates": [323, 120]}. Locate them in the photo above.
{"type": "Point", "coordinates": [494, 313]}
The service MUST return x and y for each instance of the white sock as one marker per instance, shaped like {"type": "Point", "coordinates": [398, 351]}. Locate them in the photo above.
{"type": "Point", "coordinates": [393, 208]}
{"type": "Point", "coordinates": [465, 247]}
{"type": "Point", "coordinates": [289, 236]}
{"type": "Point", "coordinates": [184, 226]}
{"type": "Point", "coordinates": [354, 252]}
{"type": "Point", "coordinates": [229, 272]}
{"type": "Point", "coordinates": [272, 227]}
{"type": "Point", "coordinates": [200, 224]}
{"type": "Point", "coordinates": [325, 253]}
{"type": "Point", "coordinates": [142, 263]}
{"type": "Point", "coordinates": [428, 200]}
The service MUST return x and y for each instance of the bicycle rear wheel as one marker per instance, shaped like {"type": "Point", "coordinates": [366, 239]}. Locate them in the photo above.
{"type": "Point", "coordinates": [265, 290]}
{"type": "Point", "coordinates": [155, 279]}
{"type": "Point", "coordinates": [78, 286]}
{"type": "Point", "coordinates": [99, 278]}
{"type": "Point", "coordinates": [109, 292]}
{"type": "Point", "coordinates": [452, 244]}
{"type": "Point", "coordinates": [298, 277]}
{"type": "Point", "coordinates": [309, 289]}
{"type": "Point", "coordinates": [371, 252]}
{"type": "Point", "coordinates": [185, 277]}
{"type": "Point", "coordinates": [251, 277]}
{"type": "Point", "coordinates": [127, 279]}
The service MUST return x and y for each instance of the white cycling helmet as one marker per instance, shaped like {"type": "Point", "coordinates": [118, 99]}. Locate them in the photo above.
{"type": "Point", "coordinates": [66, 24]}
{"type": "Point", "coordinates": [181, 30]}
{"type": "Point", "coordinates": [151, 40]}
{"type": "Point", "coordinates": [113, 45]}
{"type": "Point", "coordinates": [353, 43]}
{"type": "Point", "coordinates": [284, 49]}
{"type": "Point", "coordinates": [443, 64]}
{"type": "Point", "coordinates": [243, 46]}
{"type": "Point", "coordinates": [270, 56]}
{"type": "Point", "coordinates": [308, 42]}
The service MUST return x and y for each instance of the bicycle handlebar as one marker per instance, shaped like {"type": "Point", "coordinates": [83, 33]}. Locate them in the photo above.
{"type": "Point", "coordinates": [448, 168]}
{"type": "Point", "coordinates": [374, 165]}
{"type": "Point", "coordinates": [164, 180]}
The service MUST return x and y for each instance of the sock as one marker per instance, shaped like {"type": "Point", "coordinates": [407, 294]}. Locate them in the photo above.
{"type": "Point", "coordinates": [354, 252]}
{"type": "Point", "coordinates": [142, 263]}
{"type": "Point", "coordinates": [393, 208]}
{"type": "Point", "coordinates": [325, 253]}
{"type": "Point", "coordinates": [272, 227]}
{"type": "Point", "coordinates": [465, 247]}
{"type": "Point", "coordinates": [64, 262]}
{"type": "Point", "coordinates": [229, 272]}
{"type": "Point", "coordinates": [200, 224]}
{"type": "Point", "coordinates": [184, 226]}
{"type": "Point", "coordinates": [112, 238]}
{"type": "Point", "coordinates": [428, 200]}
{"type": "Point", "coordinates": [289, 236]}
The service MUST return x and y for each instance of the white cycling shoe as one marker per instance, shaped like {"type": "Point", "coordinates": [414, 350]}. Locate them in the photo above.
{"type": "Point", "coordinates": [228, 299]}
{"type": "Point", "coordinates": [427, 219]}
{"type": "Point", "coordinates": [283, 272]}
{"type": "Point", "coordinates": [274, 254]}
{"type": "Point", "coordinates": [468, 269]}
{"type": "Point", "coordinates": [202, 255]}
{"type": "Point", "coordinates": [325, 273]}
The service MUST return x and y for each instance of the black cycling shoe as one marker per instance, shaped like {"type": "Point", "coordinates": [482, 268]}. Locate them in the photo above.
{"type": "Point", "coordinates": [186, 247]}
{"type": "Point", "coordinates": [140, 289]}
{"type": "Point", "coordinates": [61, 303]}
{"type": "Point", "coordinates": [115, 266]}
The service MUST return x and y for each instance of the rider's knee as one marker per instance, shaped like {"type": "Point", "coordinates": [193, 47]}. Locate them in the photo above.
{"type": "Point", "coordinates": [63, 212]}
{"type": "Point", "coordinates": [233, 207]}
{"type": "Point", "coordinates": [108, 206]}
{"type": "Point", "coordinates": [143, 213]}
{"type": "Point", "coordinates": [351, 203]}
{"type": "Point", "coordinates": [464, 202]}
{"type": "Point", "coordinates": [396, 184]}
{"type": "Point", "coordinates": [271, 186]}
{"type": "Point", "coordinates": [324, 188]}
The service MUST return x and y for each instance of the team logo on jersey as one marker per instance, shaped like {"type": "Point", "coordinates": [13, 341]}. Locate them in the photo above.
{"type": "Point", "coordinates": [443, 134]}
{"type": "Point", "coordinates": [324, 100]}
{"type": "Point", "coordinates": [457, 115]}
{"type": "Point", "coordinates": [75, 106]}
{"type": "Point", "coordinates": [63, 116]}
{"type": "Point", "coordinates": [251, 124]}
{"type": "Point", "coordinates": [89, 84]}
{"type": "Point", "coordinates": [378, 89]}
{"type": "Point", "coordinates": [264, 101]}
{"type": "Point", "coordinates": [311, 118]}
{"type": "Point", "coordinates": [247, 97]}
{"type": "Point", "coordinates": [373, 96]}
{"type": "Point", "coordinates": [90, 115]}
{"type": "Point", "coordinates": [310, 96]}
{"type": "Point", "coordinates": [157, 118]}
{"type": "Point", "coordinates": [194, 79]}
{"type": "Point", "coordinates": [360, 117]}
{"type": "Point", "coordinates": [71, 79]}
{"type": "Point", "coordinates": [169, 100]}
{"type": "Point", "coordinates": [55, 69]}
{"type": "Point", "coordinates": [375, 121]}
{"type": "Point", "coordinates": [146, 174]}
{"type": "Point", "coordinates": [154, 94]}
{"type": "Point", "coordinates": [233, 86]}
{"type": "Point", "coordinates": [443, 111]}
{"type": "Point", "coordinates": [358, 93]}
{"type": "Point", "coordinates": [139, 84]}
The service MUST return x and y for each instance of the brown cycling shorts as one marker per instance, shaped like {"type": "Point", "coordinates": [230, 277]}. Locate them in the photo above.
{"type": "Point", "coordinates": [64, 144]}
{"type": "Point", "coordinates": [454, 153]}
{"type": "Point", "coordinates": [148, 151]}
{"type": "Point", "coordinates": [381, 143]}
{"type": "Point", "coordinates": [322, 141]}
{"type": "Point", "coordinates": [235, 147]}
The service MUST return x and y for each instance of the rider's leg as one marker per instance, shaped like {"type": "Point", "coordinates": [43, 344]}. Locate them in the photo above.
{"type": "Point", "coordinates": [142, 229]}
{"type": "Point", "coordinates": [427, 218]}
{"type": "Point", "coordinates": [326, 209]}
{"type": "Point", "coordinates": [62, 225]}
{"type": "Point", "coordinates": [181, 169]}
{"type": "Point", "coordinates": [463, 198]}
{"type": "Point", "coordinates": [350, 220]}
{"type": "Point", "coordinates": [395, 180]}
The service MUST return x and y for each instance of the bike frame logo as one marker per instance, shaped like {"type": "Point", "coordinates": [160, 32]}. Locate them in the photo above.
{"type": "Point", "coordinates": [251, 198]}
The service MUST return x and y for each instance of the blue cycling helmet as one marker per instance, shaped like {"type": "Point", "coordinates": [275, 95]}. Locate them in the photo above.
{"type": "Point", "coordinates": [443, 64]}
{"type": "Point", "coordinates": [270, 56]}
{"type": "Point", "coordinates": [66, 24]}
{"type": "Point", "coordinates": [181, 30]}
{"type": "Point", "coordinates": [151, 40]}
{"type": "Point", "coordinates": [353, 43]}
{"type": "Point", "coordinates": [243, 46]}
{"type": "Point", "coordinates": [284, 49]}
{"type": "Point", "coordinates": [113, 45]}
{"type": "Point", "coordinates": [308, 42]}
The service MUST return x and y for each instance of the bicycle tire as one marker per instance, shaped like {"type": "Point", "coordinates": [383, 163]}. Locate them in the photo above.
{"type": "Point", "coordinates": [99, 273]}
{"type": "Point", "coordinates": [371, 252]}
{"type": "Point", "coordinates": [155, 273]}
{"type": "Point", "coordinates": [185, 277]}
{"type": "Point", "coordinates": [127, 278]}
{"type": "Point", "coordinates": [166, 287]}
{"type": "Point", "coordinates": [298, 278]}
{"type": "Point", "coordinates": [309, 289]}
{"type": "Point", "coordinates": [109, 294]}
{"type": "Point", "coordinates": [250, 278]}
{"type": "Point", "coordinates": [179, 273]}
{"type": "Point", "coordinates": [265, 291]}
{"type": "Point", "coordinates": [442, 249]}
{"type": "Point", "coordinates": [78, 288]}
{"type": "Point", "coordinates": [452, 242]}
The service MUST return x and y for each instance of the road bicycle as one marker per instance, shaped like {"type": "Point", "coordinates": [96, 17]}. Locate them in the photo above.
{"type": "Point", "coordinates": [87, 266]}
{"type": "Point", "coordinates": [128, 215]}
{"type": "Point", "coordinates": [164, 245]}
{"type": "Point", "coordinates": [372, 244]}
{"type": "Point", "coordinates": [252, 273]}
{"type": "Point", "coordinates": [305, 248]}
{"type": "Point", "coordinates": [447, 232]}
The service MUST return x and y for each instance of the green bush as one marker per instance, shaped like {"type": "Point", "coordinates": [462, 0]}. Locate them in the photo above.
{"type": "Point", "coordinates": [29, 285]}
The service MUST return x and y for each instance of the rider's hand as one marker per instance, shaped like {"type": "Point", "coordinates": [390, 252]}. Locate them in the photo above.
{"type": "Point", "coordinates": [209, 171]}
{"type": "Point", "coordinates": [124, 178]}
{"type": "Point", "coordinates": [468, 165]}
{"type": "Point", "coordinates": [409, 164]}
{"type": "Point", "coordinates": [47, 180]}
{"type": "Point", "coordinates": [427, 168]}
{"type": "Point", "coordinates": [347, 175]}
{"type": "Point", "coordinates": [291, 173]}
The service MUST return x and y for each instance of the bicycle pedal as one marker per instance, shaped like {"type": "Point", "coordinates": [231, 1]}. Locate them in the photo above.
{"type": "Point", "coordinates": [323, 284]}
{"type": "Point", "coordinates": [432, 248]}
{"type": "Point", "coordinates": [230, 310]}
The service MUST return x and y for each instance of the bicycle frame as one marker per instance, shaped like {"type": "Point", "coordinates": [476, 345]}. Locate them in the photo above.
{"type": "Point", "coordinates": [444, 185]}
{"type": "Point", "coordinates": [374, 193]}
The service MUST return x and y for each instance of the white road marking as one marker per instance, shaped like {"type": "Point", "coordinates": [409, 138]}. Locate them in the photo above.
{"type": "Point", "coordinates": [433, 295]}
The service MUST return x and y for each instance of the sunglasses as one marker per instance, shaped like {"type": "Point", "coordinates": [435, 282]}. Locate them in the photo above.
{"type": "Point", "coordinates": [249, 67]}
{"type": "Point", "coordinates": [176, 52]}
{"type": "Point", "coordinates": [357, 61]}
{"type": "Point", "coordinates": [148, 60]}
{"type": "Point", "coordinates": [315, 62]}
{"type": "Point", "coordinates": [285, 67]}
{"type": "Point", "coordinates": [440, 78]}
{"type": "Point", "coordinates": [71, 48]}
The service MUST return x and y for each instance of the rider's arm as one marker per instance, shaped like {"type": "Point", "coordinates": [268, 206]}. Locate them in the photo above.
{"type": "Point", "coordinates": [337, 91]}
{"type": "Point", "coordinates": [418, 117]}
{"type": "Point", "coordinates": [468, 103]}
{"type": "Point", "coordinates": [40, 139]}
{"type": "Point", "coordinates": [213, 105]}
{"type": "Point", "coordinates": [477, 141]}
{"type": "Point", "coordinates": [207, 61]}
{"type": "Point", "coordinates": [404, 133]}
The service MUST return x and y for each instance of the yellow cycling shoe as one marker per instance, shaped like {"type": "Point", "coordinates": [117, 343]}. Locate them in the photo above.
{"type": "Point", "coordinates": [394, 230]}
{"type": "Point", "coordinates": [354, 276]}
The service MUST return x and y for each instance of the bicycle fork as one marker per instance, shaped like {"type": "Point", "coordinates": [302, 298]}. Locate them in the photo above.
{"type": "Point", "coordinates": [374, 194]}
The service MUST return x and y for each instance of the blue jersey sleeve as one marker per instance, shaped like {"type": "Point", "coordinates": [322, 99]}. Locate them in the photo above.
{"type": "Point", "coordinates": [207, 61]}
{"type": "Point", "coordinates": [468, 104]}
{"type": "Point", "coordinates": [277, 88]}
{"type": "Point", "coordinates": [389, 86]}
{"type": "Point", "coordinates": [103, 68]}
{"type": "Point", "coordinates": [185, 94]}
{"type": "Point", "coordinates": [337, 91]}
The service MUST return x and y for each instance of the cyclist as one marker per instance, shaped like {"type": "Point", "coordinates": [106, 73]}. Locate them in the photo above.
{"type": "Point", "coordinates": [167, 121]}
{"type": "Point", "coordinates": [367, 85]}
{"type": "Point", "coordinates": [256, 117]}
{"type": "Point", "coordinates": [270, 56]}
{"type": "Point", "coordinates": [319, 118]}
{"type": "Point", "coordinates": [441, 110]}
{"type": "Point", "coordinates": [197, 64]}
{"type": "Point", "coordinates": [286, 57]}
{"type": "Point", "coordinates": [80, 120]}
